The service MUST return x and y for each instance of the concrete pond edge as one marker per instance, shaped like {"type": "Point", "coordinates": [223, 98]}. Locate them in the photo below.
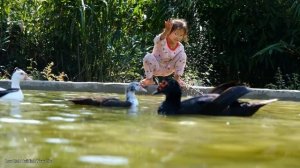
{"type": "Point", "coordinates": [257, 93]}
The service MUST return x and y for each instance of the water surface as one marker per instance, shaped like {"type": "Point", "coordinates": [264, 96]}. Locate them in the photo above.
{"type": "Point", "coordinates": [47, 131]}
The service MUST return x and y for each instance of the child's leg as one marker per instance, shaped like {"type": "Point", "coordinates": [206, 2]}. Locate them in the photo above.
{"type": "Point", "coordinates": [179, 66]}
{"type": "Point", "coordinates": [150, 65]}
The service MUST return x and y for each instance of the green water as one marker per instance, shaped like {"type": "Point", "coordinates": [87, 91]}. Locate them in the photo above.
{"type": "Point", "coordinates": [47, 131]}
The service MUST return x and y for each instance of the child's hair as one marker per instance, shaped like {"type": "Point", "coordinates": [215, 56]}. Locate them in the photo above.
{"type": "Point", "coordinates": [180, 24]}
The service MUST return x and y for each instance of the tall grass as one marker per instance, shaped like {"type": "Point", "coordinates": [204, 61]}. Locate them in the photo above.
{"type": "Point", "coordinates": [106, 40]}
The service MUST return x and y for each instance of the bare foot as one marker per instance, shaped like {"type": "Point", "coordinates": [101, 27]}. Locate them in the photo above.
{"type": "Point", "coordinates": [147, 82]}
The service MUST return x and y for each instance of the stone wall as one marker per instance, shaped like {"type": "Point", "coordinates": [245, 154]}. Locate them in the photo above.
{"type": "Point", "coordinates": [120, 88]}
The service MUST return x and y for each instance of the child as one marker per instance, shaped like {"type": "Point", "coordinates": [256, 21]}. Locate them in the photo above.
{"type": "Point", "coordinates": [168, 55]}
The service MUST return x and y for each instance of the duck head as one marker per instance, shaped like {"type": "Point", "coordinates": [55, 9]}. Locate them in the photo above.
{"type": "Point", "coordinates": [168, 86]}
{"type": "Point", "coordinates": [171, 89]}
{"type": "Point", "coordinates": [135, 86]}
{"type": "Point", "coordinates": [18, 75]}
{"type": "Point", "coordinates": [130, 92]}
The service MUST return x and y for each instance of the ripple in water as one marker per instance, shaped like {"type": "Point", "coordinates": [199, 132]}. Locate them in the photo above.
{"type": "Point", "coordinates": [20, 121]}
{"type": "Point", "coordinates": [187, 123]}
{"type": "Point", "coordinates": [69, 115]}
{"type": "Point", "coordinates": [57, 140]}
{"type": "Point", "coordinates": [104, 159]}
{"type": "Point", "coordinates": [52, 105]}
{"type": "Point", "coordinates": [56, 118]}
{"type": "Point", "coordinates": [58, 101]}
{"type": "Point", "coordinates": [26, 103]}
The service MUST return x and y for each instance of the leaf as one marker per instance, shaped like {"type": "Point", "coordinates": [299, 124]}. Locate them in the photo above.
{"type": "Point", "coordinates": [269, 49]}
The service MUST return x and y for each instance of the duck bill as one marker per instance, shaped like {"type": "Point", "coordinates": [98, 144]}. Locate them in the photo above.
{"type": "Point", "coordinates": [27, 77]}
{"type": "Point", "coordinates": [142, 89]}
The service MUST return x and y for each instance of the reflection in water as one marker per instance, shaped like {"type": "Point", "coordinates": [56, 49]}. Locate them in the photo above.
{"type": "Point", "coordinates": [16, 113]}
{"type": "Point", "coordinates": [14, 107]}
{"type": "Point", "coordinates": [133, 110]}
{"type": "Point", "coordinates": [80, 136]}
{"type": "Point", "coordinates": [15, 119]}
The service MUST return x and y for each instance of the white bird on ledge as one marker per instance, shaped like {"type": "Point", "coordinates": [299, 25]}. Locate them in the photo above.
{"type": "Point", "coordinates": [14, 92]}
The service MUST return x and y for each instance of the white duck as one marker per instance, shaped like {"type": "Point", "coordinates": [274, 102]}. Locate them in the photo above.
{"type": "Point", "coordinates": [15, 92]}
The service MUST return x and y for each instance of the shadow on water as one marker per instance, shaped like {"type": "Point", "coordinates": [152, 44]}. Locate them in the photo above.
{"type": "Point", "coordinates": [47, 131]}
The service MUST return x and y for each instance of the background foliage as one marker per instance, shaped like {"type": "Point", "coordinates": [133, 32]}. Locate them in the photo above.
{"type": "Point", "coordinates": [99, 40]}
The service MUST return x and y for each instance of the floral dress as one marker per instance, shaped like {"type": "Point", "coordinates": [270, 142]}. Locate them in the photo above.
{"type": "Point", "coordinates": [163, 60]}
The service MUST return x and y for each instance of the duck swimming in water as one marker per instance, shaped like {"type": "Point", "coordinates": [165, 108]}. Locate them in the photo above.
{"type": "Point", "coordinates": [222, 101]}
{"type": "Point", "coordinates": [130, 101]}
{"type": "Point", "coordinates": [14, 92]}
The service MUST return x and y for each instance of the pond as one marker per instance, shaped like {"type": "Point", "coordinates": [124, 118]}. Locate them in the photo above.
{"type": "Point", "coordinates": [47, 131]}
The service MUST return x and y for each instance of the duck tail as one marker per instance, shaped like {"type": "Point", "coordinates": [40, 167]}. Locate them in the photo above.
{"type": "Point", "coordinates": [268, 101]}
{"type": "Point", "coordinates": [229, 96]}
{"type": "Point", "coordinates": [248, 109]}
{"type": "Point", "coordinates": [222, 87]}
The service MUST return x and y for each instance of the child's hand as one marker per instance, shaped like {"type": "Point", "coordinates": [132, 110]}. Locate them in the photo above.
{"type": "Point", "coordinates": [147, 82]}
{"type": "Point", "coordinates": [182, 83]}
{"type": "Point", "coordinates": [168, 25]}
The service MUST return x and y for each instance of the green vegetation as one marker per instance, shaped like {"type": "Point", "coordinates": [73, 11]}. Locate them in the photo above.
{"type": "Point", "coordinates": [99, 40]}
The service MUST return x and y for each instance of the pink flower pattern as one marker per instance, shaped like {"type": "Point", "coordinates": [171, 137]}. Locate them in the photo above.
{"type": "Point", "coordinates": [163, 61]}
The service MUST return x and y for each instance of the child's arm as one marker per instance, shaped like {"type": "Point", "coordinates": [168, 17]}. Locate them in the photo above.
{"type": "Point", "coordinates": [180, 81]}
{"type": "Point", "coordinates": [177, 77]}
{"type": "Point", "coordinates": [168, 27]}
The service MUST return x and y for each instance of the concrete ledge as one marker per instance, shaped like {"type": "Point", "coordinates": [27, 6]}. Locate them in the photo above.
{"type": "Point", "coordinates": [120, 88]}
